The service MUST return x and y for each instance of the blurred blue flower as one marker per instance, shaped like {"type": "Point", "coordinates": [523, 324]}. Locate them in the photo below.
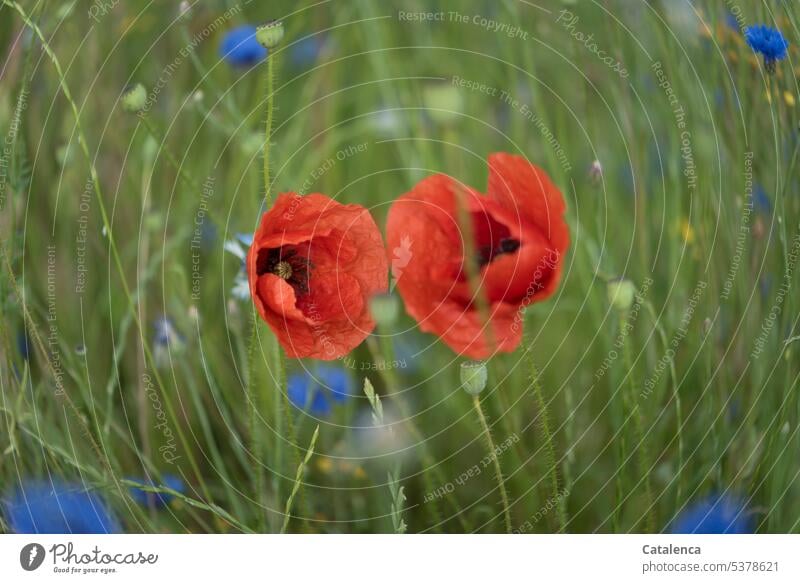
{"type": "Point", "coordinates": [159, 499]}
{"type": "Point", "coordinates": [165, 334]}
{"type": "Point", "coordinates": [767, 41]}
{"type": "Point", "coordinates": [316, 391]}
{"type": "Point", "coordinates": [240, 48]}
{"type": "Point", "coordinates": [305, 52]}
{"type": "Point", "coordinates": [40, 507]}
{"type": "Point", "coordinates": [732, 21]}
{"type": "Point", "coordinates": [718, 514]}
{"type": "Point", "coordinates": [23, 344]}
{"type": "Point", "coordinates": [761, 201]}
{"type": "Point", "coordinates": [408, 352]}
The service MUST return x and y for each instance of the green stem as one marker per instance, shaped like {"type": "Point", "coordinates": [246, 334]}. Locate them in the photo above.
{"type": "Point", "coordinates": [636, 413]}
{"type": "Point", "coordinates": [268, 128]}
{"type": "Point", "coordinates": [112, 242]}
{"type": "Point", "coordinates": [546, 436]}
{"type": "Point", "coordinates": [162, 141]}
{"type": "Point", "coordinates": [495, 462]}
{"type": "Point", "coordinates": [251, 364]}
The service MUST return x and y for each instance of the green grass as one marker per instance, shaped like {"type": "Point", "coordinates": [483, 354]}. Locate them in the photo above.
{"type": "Point", "coordinates": [614, 420]}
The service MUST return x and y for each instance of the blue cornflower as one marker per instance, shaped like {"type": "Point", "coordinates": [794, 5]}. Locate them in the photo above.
{"type": "Point", "coordinates": [240, 48]}
{"type": "Point", "coordinates": [317, 391]}
{"type": "Point", "coordinates": [165, 333]}
{"type": "Point", "coordinates": [761, 200]}
{"type": "Point", "coordinates": [718, 514]}
{"type": "Point", "coordinates": [159, 499]}
{"type": "Point", "coordinates": [40, 507]}
{"type": "Point", "coordinates": [768, 42]}
{"type": "Point", "coordinates": [306, 51]}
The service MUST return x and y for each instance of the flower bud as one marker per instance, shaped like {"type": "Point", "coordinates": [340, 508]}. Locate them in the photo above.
{"type": "Point", "coordinates": [134, 99]}
{"type": "Point", "coordinates": [183, 8]}
{"type": "Point", "coordinates": [443, 101]}
{"type": "Point", "coordinates": [621, 294]}
{"type": "Point", "coordinates": [270, 34]}
{"type": "Point", "coordinates": [596, 171]}
{"type": "Point", "coordinates": [473, 377]}
{"type": "Point", "coordinates": [385, 309]}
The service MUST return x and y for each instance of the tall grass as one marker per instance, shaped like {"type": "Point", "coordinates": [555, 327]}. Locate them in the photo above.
{"type": "Point", "coordinates": [624, 420]}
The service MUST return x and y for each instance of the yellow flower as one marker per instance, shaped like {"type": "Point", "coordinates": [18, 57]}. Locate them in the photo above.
{"type": "Point", "coordinates": [788, 97]}
{"type": "Point", "coordinates": [687, 231]}
{"type": "Point", "coordinates": [324, 464]}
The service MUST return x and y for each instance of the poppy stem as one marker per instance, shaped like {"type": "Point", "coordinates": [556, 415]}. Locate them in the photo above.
{"type": "Point", "coordinates": [546, 436]}
{"type": "Point", "coordinates": [95, 179]}
{"type": "Point", "coordinates": [495, 462]}
{"type": "Point", "coordinates": [268, 129]}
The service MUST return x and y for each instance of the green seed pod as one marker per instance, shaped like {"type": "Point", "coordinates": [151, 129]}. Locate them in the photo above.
{"type": "Point", "coordinates": [385, 309]}
{"type": "Point", "coordinates": [270, 34]}
{"type": "Point", "coordinates": [443, 101]}
{"type": "Point", "coordinates": [134, 99]}
{"type": "Point", "coordinates": [473, 377]}
{"type": "Point", "coordinates": [621, 294]}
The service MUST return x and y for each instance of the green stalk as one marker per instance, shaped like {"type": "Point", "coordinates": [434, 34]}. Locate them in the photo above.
{"type": "Point", "coordinates": [634, 410]}
{"type": "Point", "coordinates": [487, 434]}
{"type": "Point", "coordinates": [112, 243]}
{"type": "Point", "coordinates": [298, 480]}
{"type": "Point", "coordinates": [546, 437]}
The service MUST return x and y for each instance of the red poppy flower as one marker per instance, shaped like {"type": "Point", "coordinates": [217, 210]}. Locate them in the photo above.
{"type": "Point", "coordinates": [519, 238]}
{"type": "Point", "coordinates": [313, 265]}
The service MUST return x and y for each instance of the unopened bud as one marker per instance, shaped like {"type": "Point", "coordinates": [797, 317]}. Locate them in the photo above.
{"type": "Point", "coordinates": [385, 309]}
{"type": "Point", "coordinates": [270, 34]}
{"type": "Point", "coordinates": [134, 99]}
{"type": "Point", "coordinates": [473, 377]}
{"type": "Point", "coordinates": [621, 294]}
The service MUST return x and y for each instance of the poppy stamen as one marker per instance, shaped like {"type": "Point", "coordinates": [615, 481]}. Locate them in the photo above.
{"type": "Point", "coordinates": [283, 270]}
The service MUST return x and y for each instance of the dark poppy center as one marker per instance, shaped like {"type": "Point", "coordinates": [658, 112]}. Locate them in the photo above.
{"type": "Point", "coordinates": [492, 238]}
{"type": "Point", "coordinates": [487, 253]}
{"type": "Point", "coordinates": [287, 263]}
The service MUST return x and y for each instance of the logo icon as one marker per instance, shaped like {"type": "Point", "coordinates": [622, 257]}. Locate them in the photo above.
{"type": "Point", "coordinates": [31, 556]}
{"type": "Point", "coordinates": [402, 255]}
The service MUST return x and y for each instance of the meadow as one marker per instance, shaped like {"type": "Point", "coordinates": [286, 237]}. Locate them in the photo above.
{"type": "Point", "coordinates": [656, 390]}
